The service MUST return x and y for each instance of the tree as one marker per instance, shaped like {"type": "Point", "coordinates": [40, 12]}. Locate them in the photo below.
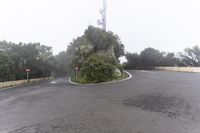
{"type": "Point", "coordinates": [168, 59]}
{"type": "Point", "coordinates": [7, 71]}
{"type": "Point", "coordinates": [118, 46]}
{"type": "Point", "coordinates": [191, 56]}
{"type": "Point", "coordinates": [102, 41]}
{"type": "Point", "coordinates": [38, 58]}
{"type": "Point", "coordinates": [94, 41]}
{"type": "Point", "coordinates": [150, 57]}
{"type": "Point", "coordinates": [61, 64]}
{"type": "Point", "coordinates": [133, 60]}
{"type": "Point", "coordinates": [98, 38]}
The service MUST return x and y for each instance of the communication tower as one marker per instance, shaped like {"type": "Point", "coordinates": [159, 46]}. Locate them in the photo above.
{"type": "Point", "coordinates": [102, 22]}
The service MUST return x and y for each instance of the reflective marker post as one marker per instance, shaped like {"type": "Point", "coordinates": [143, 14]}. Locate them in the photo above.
{"type": "Point", "coordinates": [27, 74]}
{"type": "Point", "coordinates": [76, 73]}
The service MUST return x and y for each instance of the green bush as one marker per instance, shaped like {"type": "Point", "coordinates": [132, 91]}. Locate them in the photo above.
{"type": "Point", "coordinates": [98, 68]}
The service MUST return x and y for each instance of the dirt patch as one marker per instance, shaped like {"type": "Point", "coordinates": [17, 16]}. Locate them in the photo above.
{"type": "Point", "coordinates": [171, 106]}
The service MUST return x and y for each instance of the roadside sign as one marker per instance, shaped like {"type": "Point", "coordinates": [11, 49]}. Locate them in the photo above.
{"type": "Point", "coordinates": [27, 70]}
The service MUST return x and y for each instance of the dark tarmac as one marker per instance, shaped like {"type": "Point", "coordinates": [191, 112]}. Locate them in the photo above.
{"type": "Point", "coordinates": [150, 102]}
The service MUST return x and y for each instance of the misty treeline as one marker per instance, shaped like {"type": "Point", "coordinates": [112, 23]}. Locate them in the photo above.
{"type": "Point", "coordinates": [150, 58]}
{"type": "Point", "coordinates": [16, 58]}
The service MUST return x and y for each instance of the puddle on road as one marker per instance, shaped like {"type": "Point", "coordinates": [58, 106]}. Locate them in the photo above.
{"type": "Point", "coordinates": [171, 106]}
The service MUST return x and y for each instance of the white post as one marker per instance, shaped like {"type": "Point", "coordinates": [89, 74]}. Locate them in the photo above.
{"type": "Point", "coordinates": [27, 75]}
{"type": "Point", "coordinates": [76, 73]}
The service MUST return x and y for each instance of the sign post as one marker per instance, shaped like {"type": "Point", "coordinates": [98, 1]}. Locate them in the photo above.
{"type": "Point", "coordinates": [76, 73]}
{"type": "Point", "coordinates": [27, 74]}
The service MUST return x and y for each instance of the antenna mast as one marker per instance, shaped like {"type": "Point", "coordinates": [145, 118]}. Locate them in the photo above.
{"type": "Point", "coordinates": [103, 14]}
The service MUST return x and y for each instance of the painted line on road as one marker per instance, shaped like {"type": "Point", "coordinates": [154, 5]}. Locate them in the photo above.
{"type": "Point", "coordinates": [148, 71]}
{"type": "Point", "coordinates": [53, 82]}
{"type": "Point", "coordinates": [114, 81]}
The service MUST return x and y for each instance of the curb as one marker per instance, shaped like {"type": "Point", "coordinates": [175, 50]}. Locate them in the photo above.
{"type": "Point", "coordinates": [114, 81]}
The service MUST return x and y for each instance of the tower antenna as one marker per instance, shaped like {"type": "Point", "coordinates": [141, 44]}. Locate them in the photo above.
{"type": "Point", "coordinates": [102, 22]}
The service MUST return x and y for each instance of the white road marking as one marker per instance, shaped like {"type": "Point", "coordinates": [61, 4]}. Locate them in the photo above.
{"type": "Point", "coordinates": [148, 71]}
{"type": "Point", "coordinates": [53, 82]}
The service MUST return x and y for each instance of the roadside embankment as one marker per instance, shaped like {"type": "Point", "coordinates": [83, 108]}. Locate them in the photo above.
{"type": "Point", "coordinates": [19, 82]}
{"type": "Point", "coordinates": [180, 69]}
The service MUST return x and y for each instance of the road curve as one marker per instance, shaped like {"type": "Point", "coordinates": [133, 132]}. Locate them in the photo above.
{"type": "Point", "coordinates": [150, 102]}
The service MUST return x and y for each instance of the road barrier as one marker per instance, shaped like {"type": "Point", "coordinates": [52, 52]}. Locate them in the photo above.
{"type": "Point", "coordinates": [180, 69]}
{"type": "Point", "coordinates": [18, 82]}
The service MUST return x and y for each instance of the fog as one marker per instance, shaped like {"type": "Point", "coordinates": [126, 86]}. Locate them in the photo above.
{"type": "Point", "coordinates": [170, 25]}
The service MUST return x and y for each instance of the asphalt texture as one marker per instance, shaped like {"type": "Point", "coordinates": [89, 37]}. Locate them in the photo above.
{"type": "Point", "coordinates": [150, 102]}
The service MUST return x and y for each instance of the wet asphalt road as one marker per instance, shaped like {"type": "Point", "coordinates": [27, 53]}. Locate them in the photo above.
{"type": "Point", "coordinates": [150, 102]}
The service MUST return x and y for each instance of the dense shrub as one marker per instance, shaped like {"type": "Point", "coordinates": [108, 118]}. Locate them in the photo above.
{"type": "Point", "coordinates": [98, 68]}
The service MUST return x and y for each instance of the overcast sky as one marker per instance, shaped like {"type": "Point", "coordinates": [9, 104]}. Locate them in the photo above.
{"type": "Point", "coordinates": [167, 25]}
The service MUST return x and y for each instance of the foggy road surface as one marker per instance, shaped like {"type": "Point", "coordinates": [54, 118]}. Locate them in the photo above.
{"type": "Point", "coordinates": [150, 102]}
